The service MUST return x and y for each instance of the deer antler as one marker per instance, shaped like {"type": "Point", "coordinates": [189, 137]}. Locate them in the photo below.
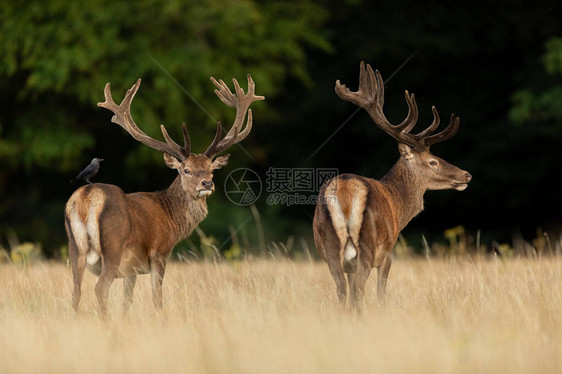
{"type": "Point", "coordinates": [241, 102]}
{"type": "Point", "coordinates": [370, 96]}
{"type": "Point", "coordinates": [122, 117]}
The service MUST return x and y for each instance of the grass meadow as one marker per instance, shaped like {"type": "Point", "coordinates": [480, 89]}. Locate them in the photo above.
{"type": "Point", "coordinates": [457, 315]}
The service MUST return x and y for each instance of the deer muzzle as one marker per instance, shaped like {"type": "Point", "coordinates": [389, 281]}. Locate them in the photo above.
{"type": "Point", "coordinates": [205, 188]}
{"type": "Point", "coordinates": [462, 185]}
{"type": "Point", "coordinates": [202, 193]}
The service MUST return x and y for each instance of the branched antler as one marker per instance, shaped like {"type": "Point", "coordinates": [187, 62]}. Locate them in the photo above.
{"type": "Point", "coordinates": [241, 102]}
{"type": "Point", "coordinates": [122, 117]}
{"type": "Point", "coordinates": [370, 96]}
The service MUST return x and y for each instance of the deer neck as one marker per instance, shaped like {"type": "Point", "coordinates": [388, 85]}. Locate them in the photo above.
{"type": "Point", "coordinates": [406, 190]}
{"type": "Point", "coordinates": [184, 210]}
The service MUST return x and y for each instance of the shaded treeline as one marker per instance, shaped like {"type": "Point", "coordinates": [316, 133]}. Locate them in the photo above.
{"type": "Point", "coordinates": [495, 64]}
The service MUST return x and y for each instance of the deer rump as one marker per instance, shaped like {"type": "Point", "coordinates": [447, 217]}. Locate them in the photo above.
{"type": "Point", "coordinates": [88, 219]}
{"type": "Point", "coordinates": [347, 200]}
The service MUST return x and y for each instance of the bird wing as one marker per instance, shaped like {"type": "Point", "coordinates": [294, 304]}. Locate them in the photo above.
{"type": "Point", "coordinates": [88, 170]}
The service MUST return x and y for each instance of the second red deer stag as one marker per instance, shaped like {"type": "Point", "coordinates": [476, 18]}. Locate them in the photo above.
{"type": "Point", "coordinates": [357, 225]}
{"type": "Point", "coordinates": [118, 235]}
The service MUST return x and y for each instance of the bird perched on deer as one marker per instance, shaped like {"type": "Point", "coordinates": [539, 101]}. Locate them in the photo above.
{"type": "Point", "coordinates": [118, 235]}
{"type": "Point", "coordinates": [89, 171]}
{"type": "Point", "coordinates": [357, 225]}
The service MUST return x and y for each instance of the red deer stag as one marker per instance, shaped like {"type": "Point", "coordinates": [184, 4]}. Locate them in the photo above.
{"type": "Point", "coordinates": [121, 235]}
{"type": "Point", "coordinates": [359, 219]}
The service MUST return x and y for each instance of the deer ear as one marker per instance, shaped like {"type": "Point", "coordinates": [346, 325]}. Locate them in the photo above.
{"type": "Point", "coordinates": [220, 161]}
{"type": "Point", "coordinates": [406, 151]}
{"type": "Point", "coordinates": [171, 161]}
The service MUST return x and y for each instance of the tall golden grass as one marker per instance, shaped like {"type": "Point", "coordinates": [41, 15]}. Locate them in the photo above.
{"type": "Point", "coordinates": [280, 316]}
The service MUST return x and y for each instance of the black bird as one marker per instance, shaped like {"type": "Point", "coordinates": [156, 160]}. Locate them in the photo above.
{"type": "Point", "coordinates": [89, 171]}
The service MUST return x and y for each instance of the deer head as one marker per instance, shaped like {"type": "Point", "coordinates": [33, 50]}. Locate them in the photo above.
{"type": "Point", "coordinates": [195, 170]}
{"type": "Point", "coordinates": [431, 171]}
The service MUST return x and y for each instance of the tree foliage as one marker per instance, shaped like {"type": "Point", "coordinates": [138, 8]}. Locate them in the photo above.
{"type": "Point", "coordinates": [543, 105]}
{"type": "Point", "coordinates": [59, 55]}
{"type": "Point", "coordinates": [484, 61]}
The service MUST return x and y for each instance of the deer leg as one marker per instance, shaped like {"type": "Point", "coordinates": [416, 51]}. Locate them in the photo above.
{"type": "Point", "coordinates": [357, 287]}
{"type": "Point", "coordinates": [105, 280]}
{"type": "Point", "coordinates": [157, 269]}
{"type": "Point", "coordinates": [78, 266]}
{"type": "Point", "coordinates": [78, 261]}
{"type": "Point", "coordinates": [128, 287]}
{"type": "Point", "coordinates": [351, 280]}
{"type": "Point", "coordinates": [338, 275]}
{"type": "Point", "coordinates": [382, 276]}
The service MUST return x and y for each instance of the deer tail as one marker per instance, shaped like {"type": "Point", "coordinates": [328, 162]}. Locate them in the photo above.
{"type": "Point", "coordinates": [346, 201]}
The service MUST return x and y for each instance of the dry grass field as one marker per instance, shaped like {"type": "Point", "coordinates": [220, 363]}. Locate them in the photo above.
{"type": "Point", "coordinates": [279, 316]}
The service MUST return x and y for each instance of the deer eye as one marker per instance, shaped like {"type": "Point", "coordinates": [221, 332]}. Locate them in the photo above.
{"type": "Point", "coordinates": [433, 163]}
{"type": "Point", "coordinates": [186, 171]}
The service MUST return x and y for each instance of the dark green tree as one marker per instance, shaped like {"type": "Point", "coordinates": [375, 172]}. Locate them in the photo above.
{"type": "Point", "coordinates": [55, 58]}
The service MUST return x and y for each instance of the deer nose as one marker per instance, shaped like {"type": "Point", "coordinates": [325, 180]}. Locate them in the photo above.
{"type": "Point", "coordinates": [207, 184]}
{"type": "Point", "coordinates": [468, 177]}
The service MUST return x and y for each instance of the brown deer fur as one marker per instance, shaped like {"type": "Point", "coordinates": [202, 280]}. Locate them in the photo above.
{"type": "Point", "coordinates": [118, 235]}
{"type": "Point", "coordinates": [358, 220]}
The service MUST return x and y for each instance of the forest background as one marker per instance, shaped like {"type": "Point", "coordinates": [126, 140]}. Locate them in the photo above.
{"type": "Point", "coordinates": [496, 64]}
